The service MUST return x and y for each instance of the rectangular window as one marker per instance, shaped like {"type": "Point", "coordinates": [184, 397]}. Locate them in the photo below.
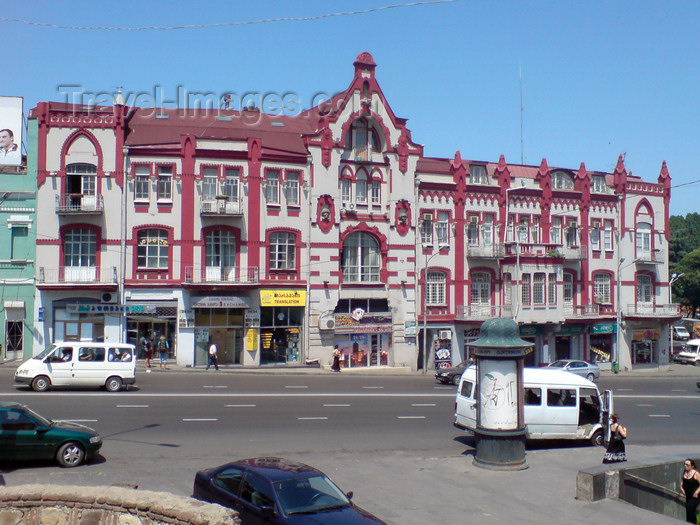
{"type": "Point", "coordinates": [152, 249]}
{"type": "Point", "coordinates": [282, 251]}
{"type": "Point", "coordinates": [555, 232]}
{"type": "Point", "coordinates": [165, 183]}
{"type": "Point", "coordinates": [487, 229]}
{"type": "Point", "coordinates": [209, 183]}
{"type": "Point", "coordinates": [572, 234]}
{"type": "Point", "coordinates": [525, 292]}
{"type": "Point", "coordinates": [523, 230]}
{"type": "Point", "coordinates": [80, 248]}
{"type": "Point", "coordinates": [552, 289]}
{"type": "Point", "coordinates": [510, 229]}
{"type": "Point", "coordinates": [608, 236]}
{"type": "Point", "coordinates": [599, 185]}
{"type": "Point", "coordinates": [443, 228]}
{"type": "Point", "coordinates": [568, 288]}
{"type": "Point", "coordinates": [533, 396]}
{"type": "Point", "coordinates": [507, 289]}
{"type": "Point", "coordinates": [361, 190]}
{"type": "Point", "coordinates": [601, 288]}
{"type": "Point", "coordinates": [376, 192]}
{"type": "Point", "coordinates": [535, 230]}
{"type": "Point", "coordinates": [142, 184]}
{"type": "Point", "coordinates": [14, 336]}
{"type": "Point", "coordinates": [292, 189]}
{"type": "Point", "coordinates": [426, 229]}
{"type": "Point", "coordinates": [538, 284]}
{"type": "Point", "coordinates": [436, 289]}
{"type": "Point", "coordinates": [20, 243]}
{"type": "Point", "coordinates": [477, 174]}
{"type": "Point", "coordinates": [563, 397]}
{"type": "Point", "coordinates": [346, 190]}
{"type": "Point", "coordinates": [231, 183]}
{"type": "Point", "coordinates": [595, 235]}
{"type": "Point", "coordinates": [272, 187]}
{"type": "Point", "coordinates": [473, 231]}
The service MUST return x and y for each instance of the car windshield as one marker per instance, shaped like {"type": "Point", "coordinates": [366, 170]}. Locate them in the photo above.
{"type": "Point", "coordinates": [46, 352]}
{"type": "Point", "coordinates": [559, 364]}
{"type": "Point", "coordinates": [309, 495]}
{"type": "Point", "coordinates": [41, 419]}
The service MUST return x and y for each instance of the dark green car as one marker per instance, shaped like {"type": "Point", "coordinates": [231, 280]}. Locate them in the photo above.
{"type": "Point", "coordinates": [25, 435]}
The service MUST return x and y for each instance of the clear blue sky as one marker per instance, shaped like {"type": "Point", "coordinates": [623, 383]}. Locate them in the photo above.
{"type": "Point", "coordinates": [599, 79]}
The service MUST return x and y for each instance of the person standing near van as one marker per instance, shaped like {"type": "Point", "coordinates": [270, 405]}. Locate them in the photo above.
{"type": "Point", "coordinates": [616, 447]}
{"type": "Point", "coordinates": [163, 351]}
{"type": "Point", "coordinates": [690, 487]}
{"type": "Point", "coordinates": [149, 352]}
{"type": "Point", "coordinates": [213, 357]}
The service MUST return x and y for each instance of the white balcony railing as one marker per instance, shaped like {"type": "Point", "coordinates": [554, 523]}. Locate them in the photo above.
{"type": "Point", "coordinates": [495, 251]}
{"type": "Point", "coordinates": [79, 203]}
{"type": "Point", "coordinates": [77, 275]}
{"type": "Point", "coordinates": [652, 310]}
{"type": "Point", "coordinates": [581, 311]}
{"type": "Point", "coordinates": [221, 274]}
{"type": "Point", "coordinates": [228, 206]}
{"type": "Point", "coordinates": [483, 311]}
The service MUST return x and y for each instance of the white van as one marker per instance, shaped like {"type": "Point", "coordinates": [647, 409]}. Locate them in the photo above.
{"type": "Point", "coordinates": [691, 354]}
{"type": "Point", "coordinates": [80, 363]}
{"type": "Point", "coordinates": [557, 405]}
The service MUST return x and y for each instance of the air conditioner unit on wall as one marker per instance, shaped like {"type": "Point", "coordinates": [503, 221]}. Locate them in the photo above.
{"type": "Point", "coordinates": [326, 322]}
{"type": "Point", "coordinates": [446, 334]}
{"type": "Point", "coordinates": [108, 297]}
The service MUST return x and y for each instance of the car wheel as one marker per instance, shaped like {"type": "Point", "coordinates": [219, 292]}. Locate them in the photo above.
{"type": "Point", "coordinates": [70, 455]}
{"type": "Point", "coordinates": [590, 376]}
{"type": "Point", "coordinates": [597, 438]}
{"type": "Point", "coordinates": [113, 384]}
{"type": "Point", "coordinates": [697, 363]}
{"type": "Point", "coordinates": [455, 380]}
{"type": "Point", "coordinates": [41, 384]}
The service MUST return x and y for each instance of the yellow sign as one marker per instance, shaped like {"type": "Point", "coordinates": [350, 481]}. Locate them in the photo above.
{"type": "Point", "coordinates": [251, 339]}
{"type": "Point", "coordinates": [641, 335]}
{"type": "Point", "coordinates": [282, 297]}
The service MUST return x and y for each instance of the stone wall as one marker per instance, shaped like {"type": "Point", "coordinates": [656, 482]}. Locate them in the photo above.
{"type": "Point", "coordinates": [73, 505]}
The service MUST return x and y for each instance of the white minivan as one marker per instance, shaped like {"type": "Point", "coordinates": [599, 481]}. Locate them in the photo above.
{"type": "Point", "coordinates": [80, 363]}
{"type": "Point", "coordinates": [557, 405]}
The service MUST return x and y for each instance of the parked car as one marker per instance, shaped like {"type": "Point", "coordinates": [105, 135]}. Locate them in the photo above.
{"type": "Point", "coordinates": [278, 491]}
{"type": "Point", "coordinates": [691, 354]}
{"type": "Point", "coordinates": [26, 435]}
{"type": "Point", "coordinates": [452, 374]}
{"type": "Point", "coordinates": [590, 371]}
{"type": "Point", "coordinates": [680, 333]}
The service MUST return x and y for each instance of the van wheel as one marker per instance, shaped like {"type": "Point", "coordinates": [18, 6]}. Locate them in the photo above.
{"type": "Point", "coordinates": [41, 384]}
{"type": "Point", "coordinates": [597, 438]}
{"type": "Point", "coordinates": [70, 455]}
{"type": "Point", "coordinates": [113, 384]}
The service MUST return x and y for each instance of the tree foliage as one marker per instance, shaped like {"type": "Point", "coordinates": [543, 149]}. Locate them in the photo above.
{"type": "Point", "coordinates": [684, 257]}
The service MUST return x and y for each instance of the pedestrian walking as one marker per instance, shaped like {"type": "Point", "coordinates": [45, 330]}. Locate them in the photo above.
{"type": "Point", "coordinates": [149, 353]}
{"type": "Point", "coordinates": [213, 355]}
{"type": "Point", "coordinates": [616, 446]}
{"type": "Point", "coordinates": [690, 487]}
{"type": "Point", "coordinates": [336, 360]}
{"type": "Point", "coordinates": [163, 347]}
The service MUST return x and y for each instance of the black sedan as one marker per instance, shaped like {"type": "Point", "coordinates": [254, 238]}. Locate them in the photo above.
{"type": "Point", "coordinates": [25, 435]}
{"type": "Point", "coordinates": [278, 491]}
{"type": "Point", "coordinates": [452, 374]}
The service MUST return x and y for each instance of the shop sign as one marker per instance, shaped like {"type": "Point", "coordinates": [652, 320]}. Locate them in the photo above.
{"type": "Point", "coordinates": [410, 329]}
{"type": "Point", "coordinates": [282, 297]}
{"type": "Point", "coordinates": [186, 318]}
{"type": "Point", "coordinates": [604, 328]}
{"type": "Point", "coordinates": [642, 335]}
{"type": "Point", "coordinates": [251, 340]}
{"type": "Point", "coordinates": [531, 329]}
{"type": "Point", "coordinates": [569, 329]}
{"type": "Point", "coordinates": [110, 308]}
{"type": "Point", "coordinates": [220, 302]}
{"type": "Point", "coordinates": [252, 317]}
{"type": "Point", "coordinates": [346, 324]}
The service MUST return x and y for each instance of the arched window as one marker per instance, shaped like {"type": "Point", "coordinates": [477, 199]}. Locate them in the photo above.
{"type": "Point", "coordinates": [435, 291]}
{"type": "Point", "coordinates": [562, 181]}
{"type": "Point", "coordinates": [363, 139]}
{"type": "Point", "coordinates": [601, 288]}
{"type": "Point", "coordinates": [219, 255]}
{"type": "Point", "coordinates": [282, 251]}
{"type": "Point", "coordinates": [481, 288]}
{"type": "Point", "coordinates": [361, 258]}
{"type": "Point", "coordinates": [152, 250]}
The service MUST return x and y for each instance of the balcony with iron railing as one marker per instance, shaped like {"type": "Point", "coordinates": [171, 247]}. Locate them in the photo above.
{"type": "Point", "coordinates": [79, 204]}
{"type": "Point", "coordinates": [486, 251]}
{"type": "Point", "coordinates": [221, 206]}
{"type": "Point", "coordinates": [652, 310]}
{"type": "Point", "coordinates": [483, 311]}
{"type": "Point", "coordinates": [238, 275]}
{"type": "Point", "coordinates": [654, 257]}
{"type": "Point", "coordinates": [582, 311]}
{"type": "Point", "coordinates": [77, 275]}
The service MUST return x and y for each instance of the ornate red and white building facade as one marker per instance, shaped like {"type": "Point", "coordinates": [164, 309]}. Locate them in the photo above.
{"type": "Point", "coordinates": [280, 237]}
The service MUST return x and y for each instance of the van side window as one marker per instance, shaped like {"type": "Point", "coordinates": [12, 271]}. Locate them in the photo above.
{"type": "Point", "coordinates": [467, 387]}
{"type": "Point", "coordinates": [91, 354]}
{"type": "Point", "coordinates": [119, 354]}
{"type": "Point", "coordinates": [588, 406]}
{"type": "Point", "coordinates": [533, 396]}
{"type": "Point", "coordinates": [563, 397]}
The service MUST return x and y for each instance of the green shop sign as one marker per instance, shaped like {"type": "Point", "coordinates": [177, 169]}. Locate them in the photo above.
{"type": "Point", "coordinates": [604, 328]}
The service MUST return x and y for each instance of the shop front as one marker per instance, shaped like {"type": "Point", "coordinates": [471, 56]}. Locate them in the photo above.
{"type": "Point", "coordinates": [281, 326]}
{"type": "Point", "coordinates": [533, 334]}
{"type": "Point", "coordinates": [567, 339]}
{"type": "Point", "coordinates": [79, 320]}
{"type": "Point", "coordinates": [363, 339]}
{"type": "Point", "coordinates": [151, 321]}
{"type": "Point", "coordinates": [221, 320]}
{"type": "Point", "coordinates": [601, 342]}
{"type": "Point", "coordinates": [645, 346]}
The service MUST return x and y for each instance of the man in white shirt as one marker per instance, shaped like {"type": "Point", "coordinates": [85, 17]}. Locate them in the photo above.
{"type": "Point", "coordinates": [213, 359]}
{"type": "Point", "coordinates": [9, 151]}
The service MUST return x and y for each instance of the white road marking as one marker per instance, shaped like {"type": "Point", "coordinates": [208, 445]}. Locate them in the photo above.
{"type": "Point", "coordinates": [639, 405]}
{"type": "Point", "coordinates": [659, 415]}
{"type": "Point", "coordinates": [240, 406]}
{"type": "Point", "coordinates": [624, 389]}
{"type": "Point", "coordinates": [199, 419]}
{"type": "Point", "coordinates": [132, 406]}
{"type": "Point", "coordinates": [214, 386]}
{"type": "Point", "coordinates": [372, 387]}
{"type": "Point", "coordinates": [296, 386]}
{"type": "Point", "coordinates": [679, 390]}
{"type": "Point", "coordinates": [410, 417]}
{"type": "Point", "coordinates": [336, 404]}
{"type": "Point", "coordinates": [423, 404]}
{"type": "Point", "coordinates": [311, 418]}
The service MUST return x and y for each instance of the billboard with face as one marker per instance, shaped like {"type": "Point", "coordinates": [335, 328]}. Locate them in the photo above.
{"type": "Point", "coordinates": [10, 131]}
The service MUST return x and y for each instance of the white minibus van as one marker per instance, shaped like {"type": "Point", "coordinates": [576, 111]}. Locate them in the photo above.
{"type": "Point", "coordinates": [80, 363]}
{"type": "Point", "coordinates": [557, 405]}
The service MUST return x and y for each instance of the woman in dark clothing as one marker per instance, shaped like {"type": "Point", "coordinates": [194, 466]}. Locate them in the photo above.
{"type": "Point", "coordinates": [616, 447]}
{"type": "Point", "coordinates": [690, 486]}
{"type": "Point", "coordinates": [336, 359]}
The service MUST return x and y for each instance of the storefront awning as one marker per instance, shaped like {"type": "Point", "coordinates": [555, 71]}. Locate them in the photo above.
{"type": "Point", "coordinates": [221, 302]}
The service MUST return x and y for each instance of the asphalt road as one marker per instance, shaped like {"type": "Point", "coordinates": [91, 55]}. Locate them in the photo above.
{"type": "Point", "coordinates": [362, 430]}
